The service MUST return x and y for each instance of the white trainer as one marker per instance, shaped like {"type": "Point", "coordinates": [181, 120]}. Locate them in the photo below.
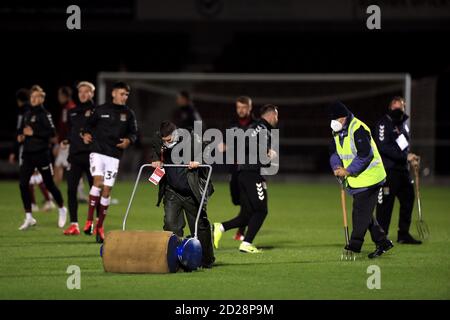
{"type": "Point", "coordinates": [34, 207]}
{"type": "Point", "coordinates": [62, 217]}
{"type": "Point", "coordinates": [29, 222]}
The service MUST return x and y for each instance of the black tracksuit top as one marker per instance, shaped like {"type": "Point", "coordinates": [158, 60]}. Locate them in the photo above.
{"type": "Point", "coordinates": [40, 120]}
{"type": "Point", "coordinates": [77, 121]}
{"type": "Point", "coordinates": [108, 124]}
{"type": "Point", "coordinates": [257, 127]}
{"type": "Point", "coordinates": [20, 116]}
{"type": "Point", "coordinates": [386, 132]}
{"type": "Point", "coordinates": [235, 125]}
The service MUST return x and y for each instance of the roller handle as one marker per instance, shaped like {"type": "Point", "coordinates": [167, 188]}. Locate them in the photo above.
{"type": "Point", "coordinates": [208, 178]}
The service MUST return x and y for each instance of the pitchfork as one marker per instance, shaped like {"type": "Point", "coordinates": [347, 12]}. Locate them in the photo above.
{"type": "Point", "coordinates": [422, 227]}
{"type": "Point", "coordinates": [347, 255]}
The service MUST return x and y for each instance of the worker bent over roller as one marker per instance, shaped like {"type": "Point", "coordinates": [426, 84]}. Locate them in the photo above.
{"type": "Point", "coordinates": [181, 189]}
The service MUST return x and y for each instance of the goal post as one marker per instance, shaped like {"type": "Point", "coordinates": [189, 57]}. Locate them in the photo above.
{"type": "Point", "coordinates": [103, 77]}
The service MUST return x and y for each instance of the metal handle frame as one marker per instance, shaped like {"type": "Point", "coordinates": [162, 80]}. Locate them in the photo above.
{"type": "Point", "coordinates": [208, 178]}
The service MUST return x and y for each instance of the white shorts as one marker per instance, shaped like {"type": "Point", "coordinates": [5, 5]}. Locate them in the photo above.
{"type": "Point", "coordinates": [61, 158]}
{"type": "Point", "coordinates": [36, 178]}
{"type": "Point", "coordinates": [105, 166]}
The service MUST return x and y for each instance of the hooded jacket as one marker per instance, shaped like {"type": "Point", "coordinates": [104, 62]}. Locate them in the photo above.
{"type": "Point", "coordinates": [196, 177]}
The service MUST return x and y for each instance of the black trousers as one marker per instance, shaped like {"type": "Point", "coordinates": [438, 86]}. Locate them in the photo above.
{"type": "Point", "coordinates": [42, 162]}
{"type": "Point", "coordinates": [79, 164]}
{"type": "Point", "coordinates": [236, 195]}
{"type": "Point", "coordinates": [174, 206]}
{"type": "Point", "coordinates": [362, 219]}
{"type": "Point", "coordinates": [398, 184]}
{"type": "Point", "coordinates": [253, 199]}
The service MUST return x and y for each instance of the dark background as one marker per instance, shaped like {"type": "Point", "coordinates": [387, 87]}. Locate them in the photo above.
{"type": "Point", "coordinates": [36, 47]}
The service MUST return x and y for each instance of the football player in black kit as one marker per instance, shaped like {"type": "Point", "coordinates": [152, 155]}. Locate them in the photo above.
{"type": "Point", "coordinates": [78, 151]}
{"type": "Point", "coordinates": [252, 185]}
{"type": "Point", "coordinates": [35, 134]}
{"type": "Point", "coordinates": [111, 129]}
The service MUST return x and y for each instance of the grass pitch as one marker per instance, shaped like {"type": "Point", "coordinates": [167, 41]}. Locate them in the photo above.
{"type": "Point", "coordinates": [302, 240]}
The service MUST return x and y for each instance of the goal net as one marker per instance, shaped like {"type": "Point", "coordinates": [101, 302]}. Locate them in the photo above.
{"type": "Point", "coordinates": [302, 100]}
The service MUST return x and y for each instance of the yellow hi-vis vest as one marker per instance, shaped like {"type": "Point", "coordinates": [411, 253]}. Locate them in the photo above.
{"type": "Point", "coordinates": [374, 173]}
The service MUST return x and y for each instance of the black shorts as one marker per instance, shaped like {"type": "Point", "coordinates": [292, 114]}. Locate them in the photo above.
{"type": "Point", "coordinates": [37, 160]}
{"type": "Point", "coordinates": [234, 188]}
{"type": "Point", "coordinates": [253, 192]}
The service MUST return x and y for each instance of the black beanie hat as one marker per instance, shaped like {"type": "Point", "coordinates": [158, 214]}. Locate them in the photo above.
{"type": "Point", "coordinates": [338, 110]}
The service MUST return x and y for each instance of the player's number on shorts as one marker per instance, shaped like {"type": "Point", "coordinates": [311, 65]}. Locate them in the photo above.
{"type": "Point", "coordinates": [110, 175]}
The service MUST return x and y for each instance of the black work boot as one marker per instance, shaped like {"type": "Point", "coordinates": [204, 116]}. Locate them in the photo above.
{"type": "Point", "coordinates": [347, 247]}
{"type": "Point", "coordinates": [350, 254]}
{"type": "Point", "coordinates": [406, 238]}
{"type": "Point", "coordinates": [382, 248]}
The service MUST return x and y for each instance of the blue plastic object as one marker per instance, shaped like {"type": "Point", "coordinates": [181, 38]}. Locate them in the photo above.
{"type": "Point", "coordinates": [190, 254]}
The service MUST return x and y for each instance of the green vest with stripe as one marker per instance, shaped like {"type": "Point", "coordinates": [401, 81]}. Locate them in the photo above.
{"type": "Point", "coordinates": [374, 173]}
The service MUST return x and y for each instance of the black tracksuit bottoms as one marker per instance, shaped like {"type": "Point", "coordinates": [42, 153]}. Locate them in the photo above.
{"type": "Point", "coordinates": [174, 205]}
{"type": "Point", "coordinates": [398, 184]}
{"type": "Point", "coordinates": [236, 196]}
{"type": "Point", "coordinates": [253, 199]}
{"type": "Point", "coordinates": [42, 162]}
{"type": "Point", "coordinates": [362, 219]}
{"type": "Point", "coordinates": [79, 164]}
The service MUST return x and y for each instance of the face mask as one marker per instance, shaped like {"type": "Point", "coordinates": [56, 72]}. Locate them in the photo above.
{"type": "Point", "coordinates": [396, 114]}
{"type": "Point", "coordinates": [336, 126]}
{"type": "Point", "coordinates": [170, 145]}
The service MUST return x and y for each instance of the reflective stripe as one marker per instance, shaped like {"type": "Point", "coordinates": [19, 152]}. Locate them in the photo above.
{"type": "Point", "coordinates": [353, 147]}
{"type": "Point", "coordinates": [373, 164]}
{"type": "Point", "coordinates": [346, 156]}
{"type": "Point", "coordinates": [352, 138]}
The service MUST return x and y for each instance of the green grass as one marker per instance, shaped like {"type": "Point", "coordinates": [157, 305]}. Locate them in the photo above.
{"type": "Point", "coordinates": [302, 240]}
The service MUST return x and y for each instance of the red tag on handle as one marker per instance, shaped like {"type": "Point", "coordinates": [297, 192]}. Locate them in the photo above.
{"type": "Point", "coordinates": [157, 176]}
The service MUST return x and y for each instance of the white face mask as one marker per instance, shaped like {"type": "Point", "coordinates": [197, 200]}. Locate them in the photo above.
{"type": "Point", "coordinates": [336, 126]}
{"type": "Point", "coordinates": [175, 137]}
{"type": "Point", "coordinates": [170, 145]}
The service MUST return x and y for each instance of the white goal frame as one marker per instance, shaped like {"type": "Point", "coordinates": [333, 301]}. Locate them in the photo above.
{"type": "Point", "coordinates": [222, 77]}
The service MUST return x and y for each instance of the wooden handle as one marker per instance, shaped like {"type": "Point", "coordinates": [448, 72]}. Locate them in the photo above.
{"type": "Point", "coordinates": [344, 208]}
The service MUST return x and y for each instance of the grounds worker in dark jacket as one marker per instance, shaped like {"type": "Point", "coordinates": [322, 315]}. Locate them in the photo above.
{"type": "Point", "coordinates": [355, 159]}
{"type": "Point", "coordinates": [181, 189]}
{"type": "Point", "coordinates": [392, 138]}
